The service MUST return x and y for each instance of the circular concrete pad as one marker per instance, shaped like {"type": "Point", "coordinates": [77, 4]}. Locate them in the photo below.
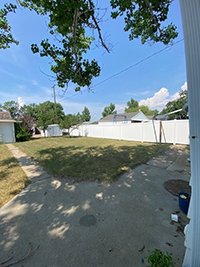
{"type": "Point", "coordinates": [88, 220]}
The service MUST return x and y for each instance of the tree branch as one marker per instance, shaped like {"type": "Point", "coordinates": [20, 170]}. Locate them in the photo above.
{"type": "Point", "coordinates": [75, 19]}
{"type": "Point", "coordinates": [99, 30]}
{"type": "Point", "coordinates": [152, 15]}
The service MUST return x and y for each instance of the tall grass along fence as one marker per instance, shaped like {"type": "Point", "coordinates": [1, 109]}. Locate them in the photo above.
{"type": "Point", "coordinates": [173, 131]}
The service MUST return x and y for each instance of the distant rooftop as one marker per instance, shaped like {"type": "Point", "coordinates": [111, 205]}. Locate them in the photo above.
{"type": "Point", "coordinates": [119, 117]}
{"type": "Point", "coordinates": [5, 115]}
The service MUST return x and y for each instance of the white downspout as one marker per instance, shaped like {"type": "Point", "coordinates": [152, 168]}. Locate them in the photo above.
{"type": "Point", "coordinates": [190, 10]}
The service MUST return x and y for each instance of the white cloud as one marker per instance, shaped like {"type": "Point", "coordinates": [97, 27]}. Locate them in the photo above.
{"type": "Point", "coordinates": [120, 108]}
{"type": "Point", "coordinates": [184, 86]}
{"type": "Point", "coordinates": [157, 101]}
{"type": "Point", "coordinates": [175, 96]}
{"type": "Point", "coordinates": [20, 101]}
{"type": "Point", "coordinates": [161, 98]}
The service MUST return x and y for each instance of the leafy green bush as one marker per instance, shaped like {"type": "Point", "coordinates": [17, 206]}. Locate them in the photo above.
{"type": "Point", "coordinates": [21, 134]}
{"type": "Point", "coordinates": [157, 258]}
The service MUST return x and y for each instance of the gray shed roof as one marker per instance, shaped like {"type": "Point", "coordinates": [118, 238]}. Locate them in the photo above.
{"type": "Point", "coordinates": [5, 115]}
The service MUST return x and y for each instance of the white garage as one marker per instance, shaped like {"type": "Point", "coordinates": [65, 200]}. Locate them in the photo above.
{"type": "Point", "coordinates": [7, 129]}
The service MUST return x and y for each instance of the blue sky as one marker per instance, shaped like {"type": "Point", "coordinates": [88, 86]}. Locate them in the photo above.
{"type": "Point", "coordinates": [153, 82]}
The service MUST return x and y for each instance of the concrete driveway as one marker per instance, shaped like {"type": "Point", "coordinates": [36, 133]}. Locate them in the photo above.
{"type": "Point", "coordinates": [55, 222]}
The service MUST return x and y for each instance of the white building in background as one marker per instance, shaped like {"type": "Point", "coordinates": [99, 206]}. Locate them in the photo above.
{"type": "Point", "coordinates": [7, 129]}
{"type": "Point", "coordinates": [52, 130]}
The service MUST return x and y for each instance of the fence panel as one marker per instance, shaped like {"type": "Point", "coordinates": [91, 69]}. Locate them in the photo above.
{"type": "Point", "coordinates": [168, 131]}
{"type": "Point", "coordinates": [151, 131]}
{"type": "Point", "coordinates": [96, 131]}
{"type": "Point", "coordinates": [182, 132]}
{"type": "Point", "coordinates": [174, 131]}
{"type": "Point", "coordinates": [112, 131]}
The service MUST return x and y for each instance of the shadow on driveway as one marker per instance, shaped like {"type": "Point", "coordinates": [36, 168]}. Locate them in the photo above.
{"type": "Point", "coordinates": [90, 224]}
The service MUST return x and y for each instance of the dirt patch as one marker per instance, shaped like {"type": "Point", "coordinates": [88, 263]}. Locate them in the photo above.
{"type": "Point", "coordinates": [175, 186]}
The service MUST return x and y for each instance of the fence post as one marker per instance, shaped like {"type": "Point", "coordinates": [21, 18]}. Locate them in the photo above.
{"type": "Point", "coordinates": [160, 132]}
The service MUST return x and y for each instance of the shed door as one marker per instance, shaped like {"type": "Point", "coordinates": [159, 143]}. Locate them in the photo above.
{"type": "Point", "coordinates": [7, 132]}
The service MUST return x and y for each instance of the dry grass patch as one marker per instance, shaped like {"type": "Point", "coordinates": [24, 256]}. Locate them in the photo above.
{"type": "Point", "coordinates": [89, 158]}
{"type": "Point", "coordinates": [12, 177]}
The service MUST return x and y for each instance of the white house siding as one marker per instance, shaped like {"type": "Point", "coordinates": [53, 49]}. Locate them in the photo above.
{"type": "Point", "coordinates": [7, 132]}
{"type": "Point", "coordinates": [190, 11]}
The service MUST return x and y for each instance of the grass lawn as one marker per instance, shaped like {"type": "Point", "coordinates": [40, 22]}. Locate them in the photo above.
{"type": "Point", "coordinates": [12, 178]}
{"type": "Point", "coordinates": [85, 158]}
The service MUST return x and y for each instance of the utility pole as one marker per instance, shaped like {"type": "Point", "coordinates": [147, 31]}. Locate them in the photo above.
{"type": "Point", "coordinates": [54, 94]}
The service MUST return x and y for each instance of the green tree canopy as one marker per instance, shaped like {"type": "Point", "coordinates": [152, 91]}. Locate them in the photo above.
{"type": "Point", "coordinates": [85, 116]}
{"type": "Point", "coordinates": [133, 106]}
{"type": "Point", "coordinates": [69, 121]}
{"type": "Point", "coordinates": [46, 114]}
{"type": "Point", "coordinates": [109, 110]}
{"type": "Point", "coordinates": [147, 111]}
{"type": "Point", "coordinates": [176, 105]}
{"type": "Point", "coordinates": [31, 110]}
{"type": "Point", "coordinates": [12, 107]}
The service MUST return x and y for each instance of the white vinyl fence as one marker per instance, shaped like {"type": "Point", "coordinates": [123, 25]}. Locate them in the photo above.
{"type": "Point", "coordinates": [174, 131]}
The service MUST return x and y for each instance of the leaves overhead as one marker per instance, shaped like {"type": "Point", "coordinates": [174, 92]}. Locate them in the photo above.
{"type": "Point", "coordinates": [144, 18]}
{"type": "Point", "coordinates": [69, 24]}
{"type": "Point", "coordinates": [6, 37]}
{"type": "Point", "coordinates": [68, 21]}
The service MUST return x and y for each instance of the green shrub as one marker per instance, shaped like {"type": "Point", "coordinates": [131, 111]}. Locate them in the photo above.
{"type": "Point", "coordinates": [21, 134]}
{"type": "Point", "coordinates": [157, 258]}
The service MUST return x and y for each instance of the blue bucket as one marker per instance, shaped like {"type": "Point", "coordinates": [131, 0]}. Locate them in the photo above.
{"type": "Point", "coordinates": [184, 201]}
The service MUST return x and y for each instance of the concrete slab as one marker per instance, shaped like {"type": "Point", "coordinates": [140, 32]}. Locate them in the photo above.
{"type": "Point", "coordinates": [181, 163]}
{"type": "Point", "coordinates": [165, 159]}
{"type": "Point", "coordinates": [91, 224]}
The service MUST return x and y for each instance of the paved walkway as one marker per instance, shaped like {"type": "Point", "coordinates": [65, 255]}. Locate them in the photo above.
{"type": "Point", "coordinates": [55, 222]}
{"type": "Point", "coordinates": [31, 168]}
